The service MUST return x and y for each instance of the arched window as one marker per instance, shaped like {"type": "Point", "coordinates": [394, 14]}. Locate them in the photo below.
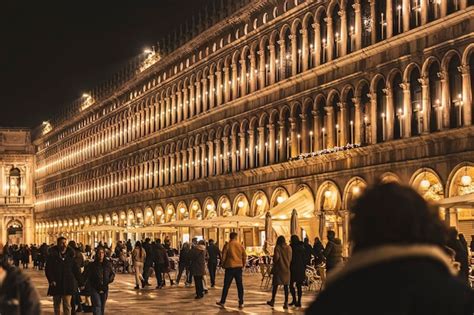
{"type": "Point", "coordinates": [323, 37]}
{"type": "Point", "coordinates": [415, 13]}
{"type": "Point", "coordinates": [380, 20]}
{"type": "Point", "coordinates": [397, 99]}
{"type": "Point", "coordinates": [397, 20]}
{"type": "Point", "coordinates": [366, 23]}
{"type": "Point", "coordinates": [336, 22]}
{"type": "Point", "coordinates": [311, 42]}
{"type": "Point", "coordinates": [289, 61]}
{"type": "Point", "coordinates": [365, 110]}
{"type": "Point", "coordinates": [350, 16]}
{"type": "Point", "coordinates": [435, 97]}
{"type": "Point", "coordinates": [14, 183]}
{"type": "Point", "coordinates": [455, 92]}
{"type": "Point", "coordinates": [415, 99]}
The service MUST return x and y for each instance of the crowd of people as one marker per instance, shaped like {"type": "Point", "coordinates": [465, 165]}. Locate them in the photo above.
{"type": "Point", "coordinates": [402, 256]}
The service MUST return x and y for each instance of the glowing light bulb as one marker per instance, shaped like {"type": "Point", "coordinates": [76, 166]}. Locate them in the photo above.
{"type": "Point", "coordinates": [240, 204]}
{"type": "Point", "coordinates": [425, 184]}
{"type": "Point", "coordinates": [259, 202]}
{"type": "Point", "coordinates": [466, 180]}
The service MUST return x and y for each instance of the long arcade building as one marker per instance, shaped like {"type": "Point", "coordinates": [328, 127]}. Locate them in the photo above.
{"type": "Point", "coordinates": [273, 99]}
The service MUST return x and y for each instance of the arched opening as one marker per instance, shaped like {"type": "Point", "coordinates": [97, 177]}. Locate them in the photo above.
{"type": "Point", "coordinates": [415, 99]}
{"type": "Point", "coordinates": [288, 59]}
{"type": "Point", "coordinates": [397, 98]}
{"type": "Point", "coordinates": [336, 22]}
{"type": "Point", "coordinates": [15, 232]}
{"type": "Point", "coordinates": [435, 96]}
{"type": "Point", "coordinates": [350, 16]}
{"type": "Point", "coordinates": [397, 22]}
{"type": "Point", "coordinates": [380, 20]}
{"type": "Point", "coordinates": [323, 37]}
{"type": "Point", "coordinates": [299, 48]}
{"type": "Point", "coordinates": [14, 186]}
{"type": "Point", "coordinates": [381, 111]}
{"type": "Point", "coordinates": [351, 115]}
{"type": "Point", "coordinates": [311, 41]}
{"type": "Point", "coordinates": [365, 111]}
{"type": "Point", "coordinates": [415, 13]}
{"type": "Point", "coordinates": [455, 92]}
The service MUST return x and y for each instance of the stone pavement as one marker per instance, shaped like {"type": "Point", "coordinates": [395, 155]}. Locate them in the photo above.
{"type": "Point", "coordinates": [125, 299]}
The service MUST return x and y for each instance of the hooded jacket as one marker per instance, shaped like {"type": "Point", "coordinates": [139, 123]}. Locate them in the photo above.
{"type": "Point", "coordinates": [197, 258]}
{"type": "Point", "coordinates": [395, 279]}
{"type": "Point", "coordinates": [333, 253]}
{"type": "Point", "coordinates": [63, 270]}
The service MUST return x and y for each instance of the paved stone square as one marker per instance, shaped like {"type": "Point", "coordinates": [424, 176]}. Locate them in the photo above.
{"type": "Point", "coordinates": [125, 299]}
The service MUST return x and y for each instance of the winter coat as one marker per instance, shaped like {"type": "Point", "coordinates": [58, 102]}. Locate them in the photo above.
{"type": "Point", "coordinates": [184, 258]}
{"type": "Point", "coordinates": [214, 253]}
{"type": "Point", "coordinates": [298, 265]}
{"type": "Point", "coordinates": [98, 275]}
{"type": "Point", "coordinates": [281, 264]}
{"type": "Point", "coordinates": [17, 294]}
{"type": "Point", "coordinates": [318, 249]}
{"type": "Point", "coordinates": [333, 253]}
{"type": "Point", "coordinates": [150, 253]}
{"type": "Point", "coordinates": [136, 257]}
{"type": "Point", "coordinates": [197, 259]}
{"type": "Point", "coordinates": [234, 255]}
{"type": "Point", "coordinates": [403, 279]}
{"type": "Point", "coordinates": [64, 271]}
{"type": "Point", "coordinates": [161, 257]}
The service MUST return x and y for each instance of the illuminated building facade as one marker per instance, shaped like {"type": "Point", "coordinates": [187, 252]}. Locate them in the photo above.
{"type": "Point", "coordinates": [267, 101]}
{"type": "Point", "coordinates": [16, 182]}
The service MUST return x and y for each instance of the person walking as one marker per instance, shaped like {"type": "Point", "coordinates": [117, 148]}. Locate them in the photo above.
{"type": "Point", "coordinates": [79, 259]}
{"type": "Point", "coordinates": [318, 249]}
{"type": "Point", "coordinates": [297, 269]}
{"type": "Point", "coordinates": [282, 255]}
{"type": "Point", "coordinates": [398, 258]}
{"type": "Point", "coordinates": [98, 275]}
{"type": "Point", "coordinates": [308, 252]}
{"type": "Point", "coordinates": [234, 259]}
{"type": "Point", "coordinates": [149, 258]}
{"type": "Point", "coordinates": [161, 263]}
{"type": "Point", "coordinates": [17, 293]}
{"type": "Point", "coordinates": [198, 267]}
{"type": "Point", "coordinates": [63, 276]}
{"type": "Point", "coordinates": [214, 255]}
{"type": "Point", "coordinates": [333, 251]}
{"type": "Point", "coordinates": [183, 263]}
{"type": "Point", "coordinates": [138, 259]}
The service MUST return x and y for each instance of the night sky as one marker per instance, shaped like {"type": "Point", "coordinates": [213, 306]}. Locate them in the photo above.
{"type": "Point", "coordinates": [53, 50]}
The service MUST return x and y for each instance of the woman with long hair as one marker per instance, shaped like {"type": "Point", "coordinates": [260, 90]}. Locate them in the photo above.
{"type": "Point", "coordinates": [183, 261]}
{"type": "Point", "coordinates": [138, 259]}
{"type": "Point", "coordinates": [281, 269]}
{"type": "Point", "coordinates": [98, 275]}
{"type": "Point", "coordinates": [297, 269]}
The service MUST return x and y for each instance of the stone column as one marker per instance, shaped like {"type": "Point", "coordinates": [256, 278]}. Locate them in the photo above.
{"type": "Point", "coordinates": [466, 94]}
{"type": "Point", "coordinates": [272, 64]}
{"type": "Point", "coordinates": [192, 100]}
{"type": "Point", "coordinates": [235, 82]}
{"type": "Point", "coordinates": [226, 85]}
{"type": "Point", "coordinates": [184, 166]}
{"type": "Point", "coordinates": [243, 77]}
{"type": "Point", "coordinates": [389, 14]}
{"type": "Point", "coordinates": [443, 8]}
{"type": "Point", "coordinates": [261, 146]}
{"type": "Point", "coordinates": [424, 11]}
{"type": "Point", "coordinates": [191, 163]}
{"type": "Point", "coordinates": [343, 124]}
{"type": "Point", "coordinates": [219, 156]}
{"type": "Point", "coordinates": [317, 47]}
{"type": "Point", "coordinates": [262, 70]}
{"type": "Point", "coordinates": [204, 161]}
{"type": "Point", "coordinates": [389, 115]}
{"type": "Point", "coordinates": [242, 150]}
{"type": "Point", "coordinates": [205, 95]}
{"type": "Point", "coordinates": [343, 34]}
{"type": "Point", "coordinates": [210, 158]}
{"type": "Point", "coordinates": [167, 170]}
{"type": "Point", "coordinates": [160, 171]}
{"type": "Point", "coordinates": [425, 104]}
{"type": "Point", "coordinates": [234, 149]}
{"type": "Point", "coordinates": [294, 54]}
{"type": "Point", "coordinates": [167, 112]}
{"type": "Point", "coordinates": [305, 50]}
{"type": "Point", "coordinates": [197, 162]}
{"type": "Point", "coordinates": [304, 146]}
{"type": "Point", "coordinates": [283, 59]}
{"type": "Point", "coordinates": [179, 106]}
{"type": "Point", "coordinates": [185, 104]}
{"type": "Point", "coordinates": [293, 138]}
{"type": "Point", "coordinates": [316, 131]}
{"type": "Point", "coordinates": [172, 169]}
{"type": "Point", "coordinates": [212, 91]}
{"type": "Point", "coordinates": [219, 87]}
{"type": "Point", "coordinates": [358, 25]}
{"type": "Point", "coordinates": [406, 109]}
{"type": "Point", "coordinates": [282, 141]}
{"type": "Point", "coordinates": [443, 75]}
{"type": "Point", "coordinates": [330, 38]}
{"type": "Point", "coordinates": [271, 143]}
{"type": "Point", "coordinates": [373, 117]}
{"type": "Point", "coordinates": [251, 147]}
{"type": "Point", "coordinates": [179, 168]}
{"type": "Point", "coordinates": [253, 68]}
{"type": "Point", "coordinates": [198, 98]}
{"type": "Point", "coordinates": [330, 126]}
{"type": "Point", "coordinates": [406, 15]}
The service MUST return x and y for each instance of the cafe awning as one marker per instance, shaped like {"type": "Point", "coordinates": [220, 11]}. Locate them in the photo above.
{"type": "Point", "coordinates": [152, 229]}
{"type": "Point", "coordinates": [302, 201]}
{"type": "Point", "coordinates": [99, 228]}
{"type": "Point", "coordinates": [238, 221]}
{"type": "Point", "coordinates": [464, 201]}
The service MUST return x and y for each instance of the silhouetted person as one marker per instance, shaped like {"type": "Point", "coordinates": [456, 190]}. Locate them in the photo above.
{"type": "Point", "coordinates": [333, 251]}
{"type": "Point", "coordinates": [318, 249]}
{"type": "Point", "coordinates": [214, 254]}
{"type": "Point", "coordinates": [398, 264]}
{"type": "Point", "coordinates": [461, 255]}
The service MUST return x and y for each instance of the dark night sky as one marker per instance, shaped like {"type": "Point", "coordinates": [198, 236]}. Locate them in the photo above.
{"type": "Point", "coordinates": [51, 51]}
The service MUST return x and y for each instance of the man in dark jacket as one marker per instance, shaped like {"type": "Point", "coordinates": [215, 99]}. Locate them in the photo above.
{"type": "Point", "coordinates": [398, 264]}
{"type": "Point", "coordinates": [148, 261]}
{"type": "Point", "coordinates": [63, 275]}
{"type": "Point", "coordinates": [308, 251]}
{"type": "Point", "coordinates": [318, 249]}
{"type": "Point", "coordinates": [214, 255]}
{"type": "Point", "coordinates": [333, 251]}
{"type": "Point", "coordinates": [198, 267]}
{"type": "Point", "coordinates": [17, 294]}
{"type": "Point", "coordinates": [161, 262]}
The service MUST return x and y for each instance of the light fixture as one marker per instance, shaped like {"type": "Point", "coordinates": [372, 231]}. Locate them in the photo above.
{"type": "Point", "coordinates": [327, 194]}
{"type": "Point", "coordinates": [170, 211]}
{"type": "Point", "coordinates": [280, 199]}
{"type": "Point", "coordinates": [259, 202]}
{"type": "Point", "coordinates": [425, 184]}
{"type": "Point", "coordinates": [148, 214]}
{"type": "Point", "coordinates": [93, 220]}
{"type": "Point", "coordinates": [240, 204]}
{"type": "Point", "coordinates": [85, 95]}
{"type": "Point", "coordinates": [139, 214]}
{"type": "Point", "coordinates": [209, 207]}
{"type": "Point", "coordinates": [159, 213]}
{"type": "Point", "coordinates": [224, 205]}
{"type": "Point", "coordinates": [195, 206]}
{"type": "Point", "coordinates": [130, 215]}
{"type": "Point", "coordinates": [122, 216]}
{"type": "Point", "coordinates": [466, 180]}
{"type": "Point", "coordinates": [356, 190]}
{"type": "Point", "coordinates": [182, 210]}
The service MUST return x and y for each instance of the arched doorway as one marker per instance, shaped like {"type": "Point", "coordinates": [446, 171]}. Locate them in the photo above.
{"type": "Point", "coordinates": [15, 232]}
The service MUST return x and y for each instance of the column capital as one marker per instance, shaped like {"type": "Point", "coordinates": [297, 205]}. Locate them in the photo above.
{"type": "Point", "coordinates": [405, 86]}
{"type": "Point", "coordinates": [424, 81]}
{"type": "Point", "coordinates": [464, 69]}
{"type": "Point", "coordinates": [387, 91]}
{"type": "Point", "coordinates": [442, 75]}
{"type": "Point", "coordinates": [342, 105]}
{"type": "Point", "coordinates": [356, 101]}
{"type": "Point", "coordinates": [329, 109]}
